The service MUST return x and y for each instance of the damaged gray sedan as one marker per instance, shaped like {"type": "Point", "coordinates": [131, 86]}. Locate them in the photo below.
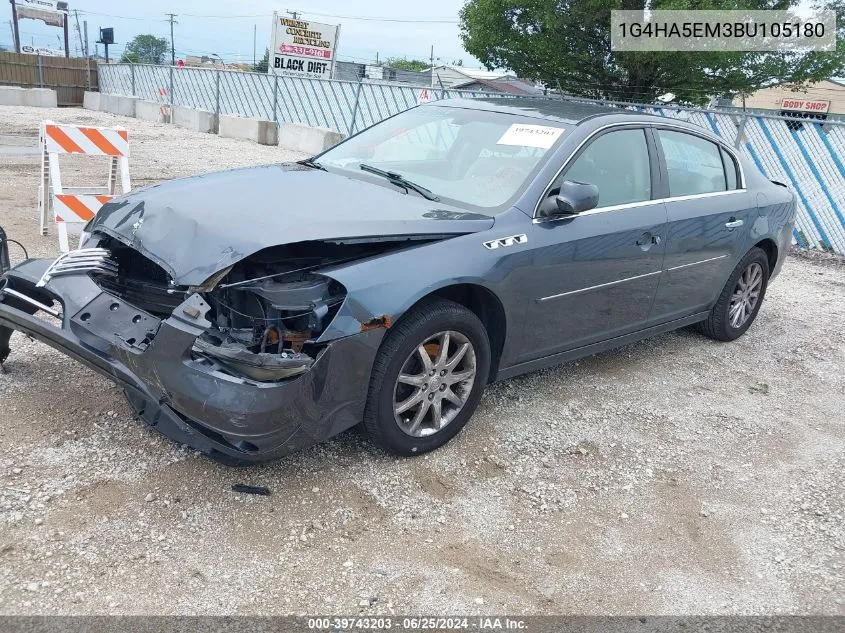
{"type": "Point", "coordinates": [254, 312]}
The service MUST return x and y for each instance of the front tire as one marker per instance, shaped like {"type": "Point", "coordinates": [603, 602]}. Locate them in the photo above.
{"type": "Point", "coordinates": [427, 378]}
{"type": "Point", "coordinates": [740, 300]}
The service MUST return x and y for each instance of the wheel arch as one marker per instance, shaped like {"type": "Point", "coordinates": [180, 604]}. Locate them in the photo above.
{"type": "Point", "coordinates": [482, 302]}
{"type": "Point", "coordinates": [770, 247]}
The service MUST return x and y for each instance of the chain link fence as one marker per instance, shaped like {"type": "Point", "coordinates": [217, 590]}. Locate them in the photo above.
{"type": "Point", "coordinates": [343, 106]}
{"type": "Point", "coordinates": [808, 155]}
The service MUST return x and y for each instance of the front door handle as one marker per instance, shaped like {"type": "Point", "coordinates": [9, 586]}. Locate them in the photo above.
{"type": "Point", "coordinates": [647, 239]}
{"type": "Point", "coordinates": [734, 224]}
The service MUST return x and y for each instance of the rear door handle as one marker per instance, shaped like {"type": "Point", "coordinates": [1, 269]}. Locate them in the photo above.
{"type": "Point", "coordinates": [734, 224]}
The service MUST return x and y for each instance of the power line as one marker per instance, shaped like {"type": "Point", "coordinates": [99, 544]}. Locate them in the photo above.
{"type": "Point", "coordinates": [121, 17]}
{"type": "Point", "coordinates": [372, 18]}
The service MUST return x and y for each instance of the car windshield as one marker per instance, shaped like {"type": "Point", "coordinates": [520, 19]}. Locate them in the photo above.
{"type": "Point", "coordinates": [469, 157]}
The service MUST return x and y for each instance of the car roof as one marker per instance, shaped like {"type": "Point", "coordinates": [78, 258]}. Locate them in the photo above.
{"type": "Point", "coordinates": [552, 109]}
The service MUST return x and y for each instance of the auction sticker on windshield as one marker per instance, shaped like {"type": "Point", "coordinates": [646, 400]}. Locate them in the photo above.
{"type": "Point", "coordinates": [530, 135]}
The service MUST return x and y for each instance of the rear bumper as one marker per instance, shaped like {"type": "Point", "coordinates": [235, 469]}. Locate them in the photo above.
{"type": "Point", "coordinates": [232, 420]}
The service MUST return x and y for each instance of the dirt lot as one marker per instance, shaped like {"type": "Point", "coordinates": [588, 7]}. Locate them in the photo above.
{"type": "Point", "coordinates": [676, 475]}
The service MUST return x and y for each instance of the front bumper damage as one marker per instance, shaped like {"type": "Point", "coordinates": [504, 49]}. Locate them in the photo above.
{"type": "Point", "coordinates": [233, 420]}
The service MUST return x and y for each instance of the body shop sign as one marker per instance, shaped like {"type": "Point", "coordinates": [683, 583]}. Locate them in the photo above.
{"type": "Point", "coordinates": [301, 48]}
{"type": "Point", "coordinates": [805, 105]}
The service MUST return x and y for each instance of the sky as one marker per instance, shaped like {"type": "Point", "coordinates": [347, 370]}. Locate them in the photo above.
{"type": "Point", "coordinates": [392, 28]}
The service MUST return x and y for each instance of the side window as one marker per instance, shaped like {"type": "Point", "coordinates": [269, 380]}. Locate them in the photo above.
{"type": "Point", "coordinates": [618, 164]}
{"type": "Point", "coordinates": [694, 164]}
{"type": "Point", "coordinates": [730, 170]}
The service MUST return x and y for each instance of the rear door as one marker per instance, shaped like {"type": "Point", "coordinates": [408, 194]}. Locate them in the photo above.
{"type": "Point", "coordinates": [596, 273]}
{"type": "Point", "coordinates": [710, 215]}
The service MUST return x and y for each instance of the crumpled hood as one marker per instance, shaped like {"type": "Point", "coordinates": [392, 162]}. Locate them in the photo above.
{"type": "Point", "coordinates": [195, 227]}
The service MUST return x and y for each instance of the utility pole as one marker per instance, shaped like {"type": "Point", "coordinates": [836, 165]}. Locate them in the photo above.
{"type": "Point", "coordinates": [293, 14]}
{"type": "Point", "coordinates": [87, 57]}
{"type": "Point", "coordinates": [432, 65]}
{"type": "Point", "coordinates": [15, 33]}
{"type": "Point", "coordinates": [79, 33]}
{"type": "Point", "coordinates": [64, 28]}
{"type": "Point", "coordinates": [254, 35]}
{"type": "Point", "coordinates": [172, 47]}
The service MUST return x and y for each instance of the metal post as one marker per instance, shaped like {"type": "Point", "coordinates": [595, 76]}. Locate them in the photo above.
{"type": "Point", "coordinates": [740, 130]}
{"type": "Point", "coordinates": [217, 94]}
{"type": "Point", "coordinates": [275, 97]}
{"type": "Point", "coordinates": [171, 93]}
{"type": "Point", "coordinates": [132, 76]}
{"type": "Point", "coordinates": [355, 109]}
{"type": "Point", "coordinates": [40, 73]}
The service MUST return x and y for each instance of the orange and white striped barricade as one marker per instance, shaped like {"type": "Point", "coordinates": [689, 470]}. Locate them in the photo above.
{"type": "Point", "coordinates": [73, 207]}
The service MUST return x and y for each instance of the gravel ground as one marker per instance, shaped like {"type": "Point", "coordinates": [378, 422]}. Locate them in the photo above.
{"type": "Point", "coordinates": [673, 476]}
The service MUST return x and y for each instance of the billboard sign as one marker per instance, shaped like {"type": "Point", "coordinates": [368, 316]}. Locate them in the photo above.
{"type": "Point", "coordinates": [301, 48]}
{"type": "Point", "coordinates": [51, 12]}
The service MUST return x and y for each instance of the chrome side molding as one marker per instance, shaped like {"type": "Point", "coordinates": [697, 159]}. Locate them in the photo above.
{"type": "Point", "coordinates": [31, 301]}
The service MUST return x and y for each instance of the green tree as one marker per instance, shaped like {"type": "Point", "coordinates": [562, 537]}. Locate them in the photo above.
{"type": "Point", "coordinates": [566, 43]}
{"type": "Point", "coordinates": [261, 67]}
{"type": "Point", "coordinates": [146, 49]}
{"type": "Point", "coordinates": [401, 63]}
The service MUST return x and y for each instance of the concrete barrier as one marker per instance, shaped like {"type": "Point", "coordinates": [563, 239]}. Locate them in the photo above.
{"type": "Point", "coordinates": [258, 130]}
{"type": "Point", "coordinates": [91, 100]}
{"type": "Point", "coordinates": [41, 98]}
{"type": "Point", "coordinates": [37, 97]}
{"type": "Point", "coordinates": [118, 104]}
{"type": "Point", "coordinates": [303, 138]}
{"type": "Point", "coordinates": [11, 95]}
{"type": "Point", "coordinates": [196, 120]}
{"type": "Point", "coordinates": [150, 111]}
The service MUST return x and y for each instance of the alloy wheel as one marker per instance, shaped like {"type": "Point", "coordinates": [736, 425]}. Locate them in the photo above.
{"type": "Point", "coordinates": [745, 296]}
{"type": "Point", "coordinates": [434, 383]}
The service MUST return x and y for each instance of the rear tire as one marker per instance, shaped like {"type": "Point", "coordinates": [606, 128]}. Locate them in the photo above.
{"type": "Point", "coordinates": [740, 299]}
{"type": "Point", "coordinates": [417, 402]}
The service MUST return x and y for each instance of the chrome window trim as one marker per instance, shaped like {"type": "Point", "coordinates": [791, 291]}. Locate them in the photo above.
{"type": "Point", "coordinates": [617, 207]}
{"type": "Point", "coordinates": [642, 124]}
{"type": "Point", "coordinates": [605, 285]}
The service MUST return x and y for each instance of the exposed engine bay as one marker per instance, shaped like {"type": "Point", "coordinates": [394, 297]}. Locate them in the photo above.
{"type": "Point", "coordinates": [266, 311]}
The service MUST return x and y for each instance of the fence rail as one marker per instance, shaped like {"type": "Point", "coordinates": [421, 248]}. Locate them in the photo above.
{"type": "Point", "coordinates": [807, 155]}
{"type": "Point", "coordinates": [70, 78]}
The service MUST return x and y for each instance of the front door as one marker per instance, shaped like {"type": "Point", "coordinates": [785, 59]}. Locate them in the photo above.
{"type": "Point", "coordinates": [709, 213]}
{"type": "Point", "coordinates": [596, 273]}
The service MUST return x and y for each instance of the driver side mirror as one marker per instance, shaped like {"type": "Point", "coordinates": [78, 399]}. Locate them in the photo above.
{"type": "Point", "coordinates": [574, 198]}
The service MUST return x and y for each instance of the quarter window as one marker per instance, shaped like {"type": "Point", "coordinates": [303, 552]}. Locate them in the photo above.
{"type": "Point", "coordinates": [618, 164]}
{"type": "Point", "coordinates": [694, 164]}
{"type": "Point", "coordinates": [730, 170]}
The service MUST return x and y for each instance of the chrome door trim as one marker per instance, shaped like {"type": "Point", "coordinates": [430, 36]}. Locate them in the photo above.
{"type": "Point", "coordinates": [638, 124]}
{"type": "Point", "coordinates": [605, 285]}
{"type": "Point", "coordinates": [630, 205]}
{"type": "Point", "coordinates": [703, 261]}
